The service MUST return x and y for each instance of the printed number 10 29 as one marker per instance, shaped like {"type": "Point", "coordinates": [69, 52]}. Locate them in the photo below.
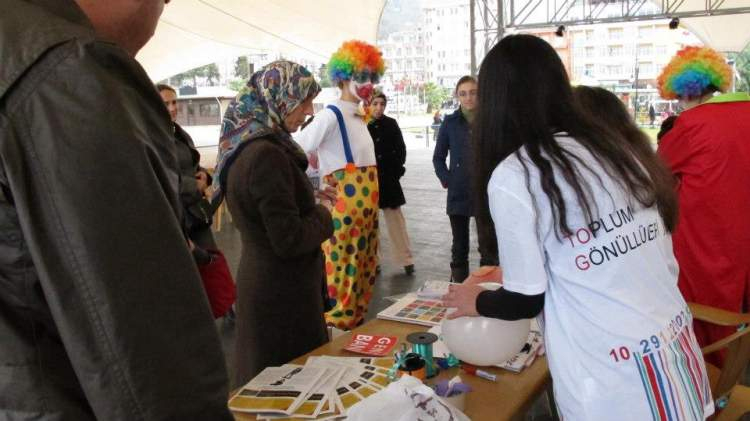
{"type": "Point", "coordinates": [623, 353]}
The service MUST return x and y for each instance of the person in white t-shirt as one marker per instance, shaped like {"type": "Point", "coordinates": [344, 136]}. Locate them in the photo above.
{"type": "Point", "coordinates": [338, 136]}
{"type": "Point", "coordinates": [583, 219]}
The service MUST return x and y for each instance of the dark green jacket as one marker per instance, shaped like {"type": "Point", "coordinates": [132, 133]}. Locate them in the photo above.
{"type": "Point", "coordinates": [102, 312]}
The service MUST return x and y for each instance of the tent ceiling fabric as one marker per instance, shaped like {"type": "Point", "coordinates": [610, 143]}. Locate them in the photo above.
{"type": "Point", "coordinates": [726, 33]}
{"type": "Point", "coordinates": [193, 33]}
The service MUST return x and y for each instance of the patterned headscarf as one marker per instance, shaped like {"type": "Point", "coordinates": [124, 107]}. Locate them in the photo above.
{"type": "Point", "coordinates": [259, 110]}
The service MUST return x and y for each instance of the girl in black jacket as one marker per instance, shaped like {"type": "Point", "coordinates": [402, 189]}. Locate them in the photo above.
{"type": "Point", "coordinates": [390, 154]}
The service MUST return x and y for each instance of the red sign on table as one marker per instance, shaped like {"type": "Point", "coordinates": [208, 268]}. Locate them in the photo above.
{"type": "Point", "coordinates": [377, 346]}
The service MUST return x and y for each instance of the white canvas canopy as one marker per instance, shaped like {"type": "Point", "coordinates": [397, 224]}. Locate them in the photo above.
{"type": "Point", "coordinates": [726, 33]}
{"type": "Point", "coordinates": [192, 33]}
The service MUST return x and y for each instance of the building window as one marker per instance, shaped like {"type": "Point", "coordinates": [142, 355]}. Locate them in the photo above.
{"type": "Point", "coordinates": [646, 69]}
{"type": "Point", "coordinates": [645, 50]}
{"type": "Point", "coordinates": [589, 52]}
{"type": "Point", "coordinates": [645, 31]}
{"type": "Point", "coordinates": [589, 34]}
{"type": "Point", "coordinates": [615, 50]}
{"type": "Point", "coordinates": [615, 70]}
{"type": "Point", "coordinates": [578, 72]}
{"type": "Point", "coordinates": [615, 33]}
{"type": "Point", "coordinates": [208, 110]}
{"type": "Point", "coordinates": [661, 50]}
{"type": "Point", "coordinates": [589, 70]}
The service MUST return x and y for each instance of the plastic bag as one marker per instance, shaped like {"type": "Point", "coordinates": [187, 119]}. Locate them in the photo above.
{"type": "Point", "coordinates": [407, 399]}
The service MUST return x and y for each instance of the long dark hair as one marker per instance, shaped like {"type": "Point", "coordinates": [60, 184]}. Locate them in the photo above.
{"type": "Point", "coordinates": [524, 98]}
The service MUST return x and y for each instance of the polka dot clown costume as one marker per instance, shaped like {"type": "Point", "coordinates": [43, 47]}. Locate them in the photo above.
{"type": "Point", "coordinates": [339, 137]}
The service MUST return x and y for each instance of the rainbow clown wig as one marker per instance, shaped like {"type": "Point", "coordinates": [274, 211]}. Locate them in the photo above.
{"type": "Point", "coordinates": [693, 72]}
{"type": "Point", "coordinates": [356, 60]}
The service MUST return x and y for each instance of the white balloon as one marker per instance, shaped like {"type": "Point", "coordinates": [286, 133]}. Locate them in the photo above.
{"type": "Point", "coordinates": [484, 341]}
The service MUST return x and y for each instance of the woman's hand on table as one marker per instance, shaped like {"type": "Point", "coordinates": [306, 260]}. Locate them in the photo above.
{"type": "Point", "coordinates": [462, 297]}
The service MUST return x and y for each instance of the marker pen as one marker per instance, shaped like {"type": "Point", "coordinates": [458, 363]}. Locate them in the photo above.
{"type": "Point", "coordinates": [479, 373]}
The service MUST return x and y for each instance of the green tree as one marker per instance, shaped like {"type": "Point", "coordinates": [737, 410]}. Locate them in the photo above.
{"type": "Point", "coordinates": [209, 72]}
{"type": "Point", "coordinates": [435, 96]}
{"type": "Point", "coordinates": [323, 77]}
{"type": "Point", "coordinates": [237, 84]}
{"type": "Point", "coordinates": [243, 68]}
{"type": "Point", "coordinates": [743, 68]}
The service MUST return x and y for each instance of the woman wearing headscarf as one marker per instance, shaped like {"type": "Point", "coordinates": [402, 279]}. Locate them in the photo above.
{"type": "Point", "coordinates": [261, 172]}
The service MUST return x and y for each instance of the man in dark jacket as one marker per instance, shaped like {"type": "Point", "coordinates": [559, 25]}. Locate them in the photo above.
{"type": "Point", "coordinates": [102, 313]}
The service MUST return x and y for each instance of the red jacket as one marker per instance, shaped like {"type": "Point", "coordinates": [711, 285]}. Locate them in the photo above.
{"type": "Point", "coordinates": [708, 151]}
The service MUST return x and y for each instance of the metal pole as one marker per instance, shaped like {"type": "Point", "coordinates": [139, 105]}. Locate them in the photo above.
{"type": "Point", "coordinates": [487, 26]}
{"type": "Point", "coordinates": [472, 35]}
{"type": "Point", "coordinates": [500, 20]}
{"type": "Point", "coordinates": [427, 136]}
{"type": "Point", "coordinates": [635, 106]}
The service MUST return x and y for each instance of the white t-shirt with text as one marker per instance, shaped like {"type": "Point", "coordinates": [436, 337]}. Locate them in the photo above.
{"type": "Point", "coordinates": [618, 333]}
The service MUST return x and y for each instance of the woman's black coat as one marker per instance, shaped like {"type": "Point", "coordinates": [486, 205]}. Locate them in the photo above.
{"type": "Point", "coordinates": [390, 154]}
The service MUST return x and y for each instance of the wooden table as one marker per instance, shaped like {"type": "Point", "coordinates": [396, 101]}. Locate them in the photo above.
{"type": "Point", "coordinates": [507, 399]}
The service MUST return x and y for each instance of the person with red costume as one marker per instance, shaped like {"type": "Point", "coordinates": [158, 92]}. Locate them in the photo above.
{"type": "Point", "coordinates": [708, 151]}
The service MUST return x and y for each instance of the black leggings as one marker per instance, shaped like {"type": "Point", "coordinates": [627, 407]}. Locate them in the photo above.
{"type": "Point", "coordinates": [460, 248]}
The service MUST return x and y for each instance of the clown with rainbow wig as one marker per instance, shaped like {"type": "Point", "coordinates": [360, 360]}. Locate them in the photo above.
{"type": "Point", "coordinates": [708, 151]}
{"type": "Point", "coordinates": [339, 138]}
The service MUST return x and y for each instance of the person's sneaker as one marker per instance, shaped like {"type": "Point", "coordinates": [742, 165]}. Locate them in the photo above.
{"type": "Point", "coordinates": [409, 269]}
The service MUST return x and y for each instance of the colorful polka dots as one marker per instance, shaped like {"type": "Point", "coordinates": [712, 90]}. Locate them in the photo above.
{"type": "Point", "coordinates": [351, 254]}
{"type": "Point", "coordinates": [341, 205]}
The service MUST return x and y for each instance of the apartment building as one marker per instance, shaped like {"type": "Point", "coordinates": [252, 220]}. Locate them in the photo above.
{"type": "Point", "coordinates": [404, 56]}
{"type": "Point", "coordinates": [625, 53]}
{"type": "Point", "coordinates": [447, 45]}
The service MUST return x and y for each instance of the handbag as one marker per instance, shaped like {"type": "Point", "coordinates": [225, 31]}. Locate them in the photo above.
{"type": "Point", "coordinates": [218, 283]}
